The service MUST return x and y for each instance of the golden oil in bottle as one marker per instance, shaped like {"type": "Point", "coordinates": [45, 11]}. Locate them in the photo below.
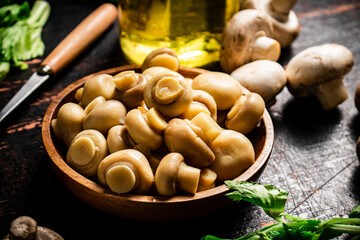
{"type": "Point", "coordinates": [192, 28]}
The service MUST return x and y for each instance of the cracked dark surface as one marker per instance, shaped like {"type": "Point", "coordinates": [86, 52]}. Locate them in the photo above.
{"type": "Point", "coordinates": [314, 155]}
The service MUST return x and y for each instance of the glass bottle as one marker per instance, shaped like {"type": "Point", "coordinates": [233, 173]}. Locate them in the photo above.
{"type": "Point", "coordinates": [192, 28]}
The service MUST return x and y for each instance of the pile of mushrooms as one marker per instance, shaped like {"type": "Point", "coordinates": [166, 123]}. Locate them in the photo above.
{"type": "Point", "coordinates": [251, 44]}
{"type": "Point", "coordinates": [157, 132]}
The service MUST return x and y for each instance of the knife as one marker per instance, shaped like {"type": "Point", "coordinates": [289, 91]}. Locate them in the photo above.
{"type": "Point", "coordinates": [68, 49]}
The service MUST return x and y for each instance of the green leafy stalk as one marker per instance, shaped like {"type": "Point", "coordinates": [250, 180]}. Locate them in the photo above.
{"type": "Point", "coordinates": [4, 70]}
{"type": "Point", "coordinates": [268, 197]}
{"type": "Point", "coordinates": [20, 33]}
{"type": "Point", "coordinates": [11, 13]}
{"type": "Point", "coordinates": [273, 201]}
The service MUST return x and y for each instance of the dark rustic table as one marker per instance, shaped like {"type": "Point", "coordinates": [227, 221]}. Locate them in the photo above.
{"type": "Point", "coordinates": [313, 158]}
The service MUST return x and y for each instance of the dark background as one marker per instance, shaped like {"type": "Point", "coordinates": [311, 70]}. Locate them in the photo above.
{"type": "Point", "coordinates": [313, 158]}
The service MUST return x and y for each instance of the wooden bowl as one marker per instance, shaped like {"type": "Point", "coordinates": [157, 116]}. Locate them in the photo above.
{"type": "Point", "coordinates": [141, 207]}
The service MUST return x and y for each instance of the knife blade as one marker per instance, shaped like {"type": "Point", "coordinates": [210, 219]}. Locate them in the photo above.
{"type": "Point", "coordinates": [68, 49]}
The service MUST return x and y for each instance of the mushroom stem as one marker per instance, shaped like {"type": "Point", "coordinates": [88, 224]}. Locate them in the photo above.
{"type": "Point", "coordinates": [188, 178]}
{"type": "Point", "coordinates": [265, 48]}
{"type": "Point", "coordinates": [121, 178]}
{"type": "Point", "coordinates": [282, 6]}
{"type": "Point", "coordinates": [208, 125]}
{"type": "Point", "coordinates": [156, 120]}
{"type": "Point", "coordinates": [82, 150]}
{"type": "Point", "coordinates": [332, 93]}
{"type": "Point", "coordinates": [125, 80]}
{"type": "Point", "coordinates": [167, 90]}
{"type": "Point", "coordinates": [207, 179]}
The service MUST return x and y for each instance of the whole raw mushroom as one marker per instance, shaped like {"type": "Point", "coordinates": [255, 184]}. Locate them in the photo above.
{"type": "Point", "coordinates": [247, 37]}
{"type": "Point", "coordinates": [319, 71]}
{"type": "Point", "coordinates": [26, 228]}
{"type": "Point", "coordinates": [125, 171]}
{"type": "Point", "coordinates": [285, 23]}
{"type": "Point", "coordinates": [264, 77]}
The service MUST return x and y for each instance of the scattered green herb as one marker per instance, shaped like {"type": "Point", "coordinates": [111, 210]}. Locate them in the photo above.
{"type": "Point", "coordinates": [20, 34]}
{"type": "Point", "coordinates": [273, 201]}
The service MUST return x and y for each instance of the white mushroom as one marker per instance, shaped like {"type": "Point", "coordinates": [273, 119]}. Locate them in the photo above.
{"type": "Point", "coordinates": [162, 57]}
{"type": "Point", "coordinates": [246, 113]}
{"type": "Point", "coordinates": [68, 123]}
{"type": "Point", "coordinates": [184, 137]}
{"type": "Point", "coordinates": [167, 91]}
{"type": "Point", "coordinates": [86, 151]}
{"type": "Point", "coordinates": [319, 71]}
{"type": "Point", "coordinates": [117, 138]}
{"type": "Point", "coordinates": [98, 85]}
{"type": "Point", "coordinates": [264, 77]}
{"type": "Point", "coordinates": [129, 88]}
{"type": "Point", "coordinates": [173, 173]}
{"type": "Point", "coordinates": [221, 86]}
{"type": "Point", "coordinates": [126, 171]}
{"type": "Point", "coordinates": [105, 115]}
{"type": "Point", "coordinates": [285, 23]}
{"type": "Point", "coordinates": [202, 102]}
{"type": "Point", "coordinates": [141, 131]}
{"type": "Point", "coordinates": [247, 37]}
{"type": "Point", "coordinates": [233, 151]}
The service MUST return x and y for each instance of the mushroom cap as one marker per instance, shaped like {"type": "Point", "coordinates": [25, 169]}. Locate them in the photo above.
{"type": "Point", "coordinates": [98, 85]}
{"type": "Point", "coordinates": [266, 78]}
{"type": "Point", "coordinates": [105, 115]}
{"type": "Point", "coordinates": [140, 131]}
{"type": "Point", "coordinates": [117, 138]}
{"type": "Point", "coordinates": [246, 113]}
{"type": "Point", "coordinates": [239, 34]}
{"type": "Point", "coordinates": [221, 86]}
{"type": "Point", "coordinates": [162, 57]}
{"type": "Point", "coordinates": [180, 134]}
{"type": "Point", "coordinates": [137, 160]}
{"type": "Point", "coordinates": [234, 153]}
{"type": "Point", "coordinates": [166, 174]}
{"type": "Point", "coordinates": [68, 123]}
{"type": "Point", "coordinates": [208, 100]}
{"type": "Point", "coordinates": [317, 65]}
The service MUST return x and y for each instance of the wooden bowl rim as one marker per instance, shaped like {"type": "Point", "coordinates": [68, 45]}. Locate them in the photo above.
{"type": "Point", "coordinates": [59, 162]}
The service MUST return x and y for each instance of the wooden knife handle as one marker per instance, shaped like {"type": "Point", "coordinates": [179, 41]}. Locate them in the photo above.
{"type": "Point", "coordinates": [81, 37]}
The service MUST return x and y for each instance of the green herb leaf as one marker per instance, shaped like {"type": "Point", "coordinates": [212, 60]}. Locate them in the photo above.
{"type": "Point", "coordinates": [271, 199]}
{"type": "Point", "coordinates": [289, 227]}
{"type": "Point", "coordinates": [355, 213]}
